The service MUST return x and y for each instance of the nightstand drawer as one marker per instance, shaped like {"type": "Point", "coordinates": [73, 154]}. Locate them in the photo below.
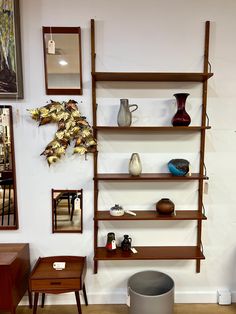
{"type": "Point", "coordinates": [55, 284]}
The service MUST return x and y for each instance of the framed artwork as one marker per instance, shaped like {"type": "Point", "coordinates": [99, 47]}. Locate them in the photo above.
{"type": "Point", "coordinates": [11, 80]}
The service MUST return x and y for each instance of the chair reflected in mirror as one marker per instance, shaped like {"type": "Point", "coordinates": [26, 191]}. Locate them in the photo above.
{"type": "Point", "coordinates": [67, 211]}
{"type": "Point", "coordinates": [8, 202]}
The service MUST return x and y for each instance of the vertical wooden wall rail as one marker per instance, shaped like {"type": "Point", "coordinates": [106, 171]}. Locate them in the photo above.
{"type": "Point", "coordinates": [203, 136]}
{"type": "Point", "coordinates": [95, 156]}
{"type": "Point", "coordinates": [96, 191]}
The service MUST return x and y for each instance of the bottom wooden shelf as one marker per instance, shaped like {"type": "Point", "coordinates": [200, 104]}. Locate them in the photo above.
{"type": "Point", "coordinates": [151, 253]}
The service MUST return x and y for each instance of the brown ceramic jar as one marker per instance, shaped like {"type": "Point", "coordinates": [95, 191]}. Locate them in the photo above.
{"type": "Point", "coordinates": [165, 207]}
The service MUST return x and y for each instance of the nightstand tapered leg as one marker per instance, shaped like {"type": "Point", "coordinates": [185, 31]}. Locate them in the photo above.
{"type": "Point", "coordinates": [30, 298]}
{"type": "Point", "coordinates": [13, 310]}
{"type": "Point", "coordinates": [43, 299]}
{"type": "Point", "coordinates": [85, 295]}
{"type": "Point", "coordinates": [36, 296]}
{"type": "Point", "coordinates": [78, 302]}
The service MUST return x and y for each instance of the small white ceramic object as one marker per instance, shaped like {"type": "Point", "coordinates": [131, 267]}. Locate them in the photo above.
{"type": "Point", "coordinates": [130, 213]}
{"type": "Point", "coordinates": [59, 265]}
{"type": "Point", "coordinates": [117, 210]}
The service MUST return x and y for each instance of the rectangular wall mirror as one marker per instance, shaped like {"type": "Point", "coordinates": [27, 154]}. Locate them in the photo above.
{"type": "Point", "coordinates": [67, 211]}
{"type": "Point", "coordinates": [8, 197]}
{"type": "Point", "coordinates": [63, 65]}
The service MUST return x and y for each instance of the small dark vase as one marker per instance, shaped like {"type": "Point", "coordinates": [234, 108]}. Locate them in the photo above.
{"type": "Point", "coordinates": [111, 241]}
{"type": "Point", "coordinates": [165, 207]}
{"type": "Point", "coordinates": [181, 118]}
{"type": "Point", "coordinates": [126, 243]}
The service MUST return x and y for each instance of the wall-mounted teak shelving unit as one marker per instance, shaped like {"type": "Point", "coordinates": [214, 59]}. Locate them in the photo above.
{"type": "Point", "coordinates": [150, 252]}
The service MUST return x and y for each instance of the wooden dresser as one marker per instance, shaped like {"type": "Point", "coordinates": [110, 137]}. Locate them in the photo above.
{"type": "Point", "coordinates": [14, 274]}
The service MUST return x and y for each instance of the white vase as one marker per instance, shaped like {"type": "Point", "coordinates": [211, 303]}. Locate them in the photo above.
{"type": "Point", "coordinates": [135, 166]}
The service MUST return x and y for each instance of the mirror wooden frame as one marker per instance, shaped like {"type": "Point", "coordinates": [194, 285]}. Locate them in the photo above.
{"type": "Point", "coordinates": [54, 214]}
{"type": "Point", "coordinates": [62, 30]}
{"type": "Point", "coordinates": [16, 225]}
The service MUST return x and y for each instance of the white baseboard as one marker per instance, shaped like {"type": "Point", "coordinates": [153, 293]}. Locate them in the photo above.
{"type": "Point", "coordinates": [69, 298]}
{"type": "Point", "coordinates": [200, 297]}
{"type": "Point", "coordinates": [180, 297]}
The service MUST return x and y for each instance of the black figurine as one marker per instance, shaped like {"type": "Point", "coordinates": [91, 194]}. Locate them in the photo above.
{"type": "Point", "coordinates": [126, 243]}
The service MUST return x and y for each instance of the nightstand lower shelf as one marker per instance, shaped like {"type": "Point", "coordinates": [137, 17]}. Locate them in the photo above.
{"type": "Point", "coordinates": [151, 253]}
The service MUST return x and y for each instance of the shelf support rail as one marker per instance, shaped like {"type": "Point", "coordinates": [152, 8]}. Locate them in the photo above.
{"type": "Point", "coordinates": [208, 120]}
{"type": "Point", "coordinates": [205, 169]}
{"type": "Point", "coordinates": [206, 115]}
{"type": "Point", "coordinates": [202, 167]}
{"type": "Point", "coordinates": [201, 248]}
{"type": "Point", "coordinates": [209, 65]}
{"type": "Point", "coordinates": [95, 155]}
{"type": "Point", "coordinates": [203, 210]}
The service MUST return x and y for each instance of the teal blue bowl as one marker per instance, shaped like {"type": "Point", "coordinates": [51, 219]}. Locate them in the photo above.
{"type": "Point", "coordinates": [178, 167]}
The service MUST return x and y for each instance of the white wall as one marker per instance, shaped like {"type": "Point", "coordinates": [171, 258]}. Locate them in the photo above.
{"type": "Point", "coordinates": [151, 35]}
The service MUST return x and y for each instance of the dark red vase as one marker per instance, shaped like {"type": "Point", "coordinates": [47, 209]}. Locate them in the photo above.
{"type": "Point", "coordinates": [181, 118]}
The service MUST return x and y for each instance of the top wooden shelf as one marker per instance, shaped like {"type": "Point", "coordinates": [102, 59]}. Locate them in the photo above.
{"type": "Point", "coordinates": [151, 76]}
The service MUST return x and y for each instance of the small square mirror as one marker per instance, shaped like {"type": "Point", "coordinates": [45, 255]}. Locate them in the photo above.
{"type": "Point", "coordinates": [67, 211]}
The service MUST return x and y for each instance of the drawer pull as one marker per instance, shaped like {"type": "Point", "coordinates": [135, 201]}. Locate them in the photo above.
{"type": "Point", "coordinates": [55, 283]}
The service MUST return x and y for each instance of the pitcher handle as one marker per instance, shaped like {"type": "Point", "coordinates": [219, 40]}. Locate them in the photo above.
{"type": "Point", "coordinates": [136, 107]}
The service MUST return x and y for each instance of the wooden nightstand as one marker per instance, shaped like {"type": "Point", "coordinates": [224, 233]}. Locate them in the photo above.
{"type": "Point", "coordinates": [45, 279]}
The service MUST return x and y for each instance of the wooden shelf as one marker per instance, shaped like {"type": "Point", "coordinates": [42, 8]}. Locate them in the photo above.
{"type": "Point", "coordinates": [147, 177]}
{"type": "Point", "coordinates": [151, 76]}
{"type": "Point", "coordinates": [152, 215]}
{"type": "Point", "coordinates": [151, 128]}
{"type": "Point", "coordinates": [151, 253]}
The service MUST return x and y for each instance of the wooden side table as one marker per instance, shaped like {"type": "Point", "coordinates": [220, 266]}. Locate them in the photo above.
{"type": "Point", "coordinates": [14, 274]}
{"type": "Point", "coordinates": [45, 279]}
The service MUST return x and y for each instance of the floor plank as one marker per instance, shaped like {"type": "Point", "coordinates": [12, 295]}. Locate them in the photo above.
{"type": "Point", "coordinates": [123, 309]}
{"type": "Point", "coordinates": [204, 309]}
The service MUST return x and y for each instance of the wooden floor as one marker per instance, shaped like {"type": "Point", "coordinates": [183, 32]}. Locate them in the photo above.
{"type": "Point", "coordinates": [123, 309]}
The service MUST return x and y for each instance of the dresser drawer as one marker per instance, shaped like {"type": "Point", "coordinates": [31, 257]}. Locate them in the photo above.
{"type": "Point", "coordinates": [55, 284]}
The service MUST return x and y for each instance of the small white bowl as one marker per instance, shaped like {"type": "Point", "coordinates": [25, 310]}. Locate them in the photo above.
{"type": "Point", "coordinates": [117, 212]}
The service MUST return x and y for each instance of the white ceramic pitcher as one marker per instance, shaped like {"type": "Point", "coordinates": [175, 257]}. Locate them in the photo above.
{"type": "Point", "coordinates": [124, 117]}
